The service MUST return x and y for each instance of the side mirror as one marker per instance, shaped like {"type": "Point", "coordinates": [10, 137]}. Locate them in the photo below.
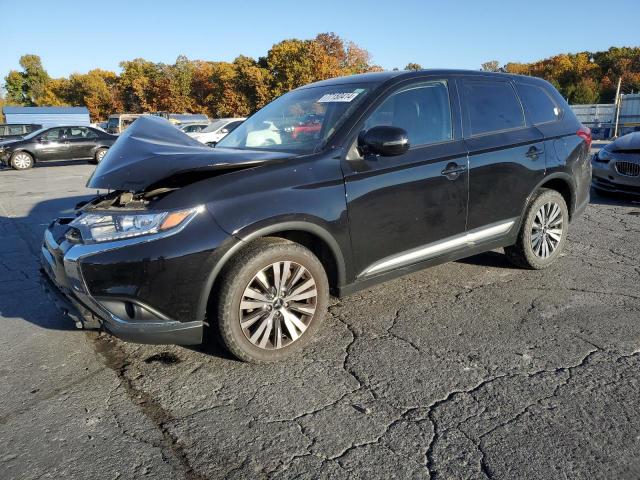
{"type": "Point", "coordinates": [42, 139]}
{"type": "Point", "coordinates": [384, 140]}
{"type": "Point", "coordinates": [224, 130]}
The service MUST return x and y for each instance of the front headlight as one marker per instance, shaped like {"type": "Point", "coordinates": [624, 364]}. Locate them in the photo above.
{"type": "Point", "coordinates": [102, 227]}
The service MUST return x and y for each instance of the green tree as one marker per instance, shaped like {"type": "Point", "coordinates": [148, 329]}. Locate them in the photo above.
{"type": "Point", "coordinates": [413, 66]}
{"type": "Point", "coordinates": [491, 66]}
{"type": "Point", "coordinates": [97, 90]}
{"type": "Point", "coordinates": [136, 83]}
{"type": "Point", "coordinates": [585, 91]}
{"type": "Point", "coordinates": [27, 87]}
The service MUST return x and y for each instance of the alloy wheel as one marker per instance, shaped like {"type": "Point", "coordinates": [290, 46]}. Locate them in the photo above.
{"type": "Point", "coordinates": [546, 231]}
{"type": "Point", "coordinates": [278, 305]}
{"type": "Point", "coordinates": [22, 161]}
{"type": "Point", "coordinates": [101, 155]}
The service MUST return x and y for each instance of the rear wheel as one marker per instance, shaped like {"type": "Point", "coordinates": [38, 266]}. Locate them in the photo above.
{"type": "Point", "coordinates": [273, 298]}
{"type": "Point", "coordinates": [543, 232]}
{"type": "Point", "coordinates": [21, 161]}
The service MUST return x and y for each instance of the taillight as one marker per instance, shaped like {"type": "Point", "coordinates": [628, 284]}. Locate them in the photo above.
{"type": "Point", "coordinates": [585, 134]}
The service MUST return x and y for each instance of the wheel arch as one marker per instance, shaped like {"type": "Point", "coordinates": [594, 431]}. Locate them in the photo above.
{"type": "Point", "coordinates": [310, 235]}
{"type": "Point", "coordinates": [562, 183]}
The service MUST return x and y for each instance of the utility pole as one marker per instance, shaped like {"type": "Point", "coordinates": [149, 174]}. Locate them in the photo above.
{"type": "Point", "coordinates": [617, 105]}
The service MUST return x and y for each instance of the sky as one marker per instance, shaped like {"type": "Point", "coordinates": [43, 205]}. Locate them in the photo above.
{"type": "Point", "coordinates": [81, 35]}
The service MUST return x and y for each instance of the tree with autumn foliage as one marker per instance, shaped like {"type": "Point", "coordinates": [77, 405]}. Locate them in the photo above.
{"type": "Point", "coordinates": [217, 89]}
{"type": "Point", "coordinates": [587, 77]}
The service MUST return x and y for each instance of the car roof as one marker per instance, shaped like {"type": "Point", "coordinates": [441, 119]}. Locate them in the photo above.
{"type": "Point", "coordinates": [382, 77]}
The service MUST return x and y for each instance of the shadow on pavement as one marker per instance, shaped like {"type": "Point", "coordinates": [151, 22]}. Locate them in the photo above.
{"type": "Point", "coordinates": [26, 298]}
{"type": "Point", "coordinates": [489, 259]}
{"type": "Point", "coordinates": [23, 295]}
{"type": "Point", "coordinates": [615, 199]}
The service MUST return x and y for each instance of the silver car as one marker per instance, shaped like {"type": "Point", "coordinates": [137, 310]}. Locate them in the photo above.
{"type": "Point", "coordinates": [616, 167]}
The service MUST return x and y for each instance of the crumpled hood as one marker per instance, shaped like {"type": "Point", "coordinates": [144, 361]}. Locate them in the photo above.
{"type": "Point", "coordinates": [630, 141]}
{"type": "Point", "coordinates": [152, 149]}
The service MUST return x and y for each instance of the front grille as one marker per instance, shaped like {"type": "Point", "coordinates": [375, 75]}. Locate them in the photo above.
{"type": "Point", "coordinates": [629, 169]}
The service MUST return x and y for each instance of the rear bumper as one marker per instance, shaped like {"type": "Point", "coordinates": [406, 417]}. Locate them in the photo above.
{"type": "Point", "coordinates": [63, 280]}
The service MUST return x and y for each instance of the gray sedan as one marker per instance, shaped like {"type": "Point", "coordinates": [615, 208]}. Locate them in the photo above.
{"type": "Point", "coordinates": [616, 167]}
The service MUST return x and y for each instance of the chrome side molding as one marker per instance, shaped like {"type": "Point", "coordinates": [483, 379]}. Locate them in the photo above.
{"type": "Point", "coordinates": [435, 249]}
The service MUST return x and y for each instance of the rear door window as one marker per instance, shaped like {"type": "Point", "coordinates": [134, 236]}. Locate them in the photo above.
{"type": "Point", "coordinates": [539, 105]}
{"type": "Point", "coordinates": [491, 106]}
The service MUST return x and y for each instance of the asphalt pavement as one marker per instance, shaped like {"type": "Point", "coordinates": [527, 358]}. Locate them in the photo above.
{"type": "Point", "coordinates": [472, 369]}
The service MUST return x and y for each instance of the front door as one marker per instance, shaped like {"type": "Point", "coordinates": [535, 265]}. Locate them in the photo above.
{"type": "Point", "coordinates": [52, 145]}
{"type": "Point", "coordinates": [402, 207]}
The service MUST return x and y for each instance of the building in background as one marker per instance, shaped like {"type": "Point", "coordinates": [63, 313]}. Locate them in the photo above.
{"type": "Point", "coordinates": [601, 117]}
{"type": "Point", "coordinates": [47, 116]}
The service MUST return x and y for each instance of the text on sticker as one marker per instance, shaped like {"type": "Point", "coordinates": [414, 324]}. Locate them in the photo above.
{"type": "Point", "coordinates": [338, 97]}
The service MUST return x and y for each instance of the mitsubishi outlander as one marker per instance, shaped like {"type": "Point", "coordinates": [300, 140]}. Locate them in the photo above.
{"type": "Point", "coordinates": [401, 171]}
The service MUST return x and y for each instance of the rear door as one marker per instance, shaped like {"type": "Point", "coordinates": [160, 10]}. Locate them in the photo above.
{"type": "Point", "coordinates": [82, 140]}
{"type": "Point", "coordinates": [506, 154]}
{"type": "Point", "coordinates": [400, 207]}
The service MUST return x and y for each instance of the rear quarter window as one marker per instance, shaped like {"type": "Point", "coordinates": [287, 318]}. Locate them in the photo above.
{"type": "Point", "coordinates": [539, 105]}
{"type": "Point", "coordinates": [491, 106]}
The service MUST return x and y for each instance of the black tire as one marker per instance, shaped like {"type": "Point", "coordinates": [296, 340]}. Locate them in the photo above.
{"type": "Point", "coordinates": [239, 275]}
{"type": "Point", "coordinates": [99, 155]}
{"type": "Point", "coordinates": [21, 160]}
{"type": "Point", "coordinates": [523, 254]}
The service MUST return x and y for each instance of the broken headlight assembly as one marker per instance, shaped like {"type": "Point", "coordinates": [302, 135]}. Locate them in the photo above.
{"type": "Point", "coordinates": [107, 226]}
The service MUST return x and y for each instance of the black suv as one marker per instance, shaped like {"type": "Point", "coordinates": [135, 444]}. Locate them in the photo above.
{"type": "Point", "coordinates": [407, 170]}
{"type": "Point", "coordinates": [57, 143]}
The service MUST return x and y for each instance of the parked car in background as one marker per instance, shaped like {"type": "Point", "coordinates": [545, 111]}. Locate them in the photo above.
{"type": "Point", "coordinates": [408, 170]}
{"type": "Point", "coordinates": [16, 130]}
{"type": "Point", "coordinates": [216, 130]}
{"type": "Point", "coordinates": [616, 167]}
{"type": "Point", "coordinates": [182, 118]}
{"type": "Point", "coordinates": [57, 143]}
{"type": "Point", "coordinates": [309, 125]}
{"type": "Point", "coordinates": [193, 127]}
{"type": "Point", "coordinates": [119, 122]}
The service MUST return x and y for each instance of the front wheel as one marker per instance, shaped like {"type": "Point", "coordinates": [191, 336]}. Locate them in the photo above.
{"type": "Point", "coordinates": [543, 233]}
{"type": "Point", "coordinates": [21, 161]}
{"type": "Point", "coordinates": [273, 298]}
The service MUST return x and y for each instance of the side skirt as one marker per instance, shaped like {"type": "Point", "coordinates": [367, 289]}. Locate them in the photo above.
{"type": "Point", "coordinates": [504, 240]}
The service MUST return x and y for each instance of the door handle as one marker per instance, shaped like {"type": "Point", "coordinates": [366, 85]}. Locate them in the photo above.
{"type": "Point", "coordinates": [453, 170]}
{"type": "Point", "coordinates": [533, 153]}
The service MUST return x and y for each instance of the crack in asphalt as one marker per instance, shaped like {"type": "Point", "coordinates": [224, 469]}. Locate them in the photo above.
{"type": "Point", "coordinates": [173, 452]}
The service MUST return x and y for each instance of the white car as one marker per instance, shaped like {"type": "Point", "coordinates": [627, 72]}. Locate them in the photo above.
{"type": "Point", "coordinates": [192, 127]}
{"type": "Point", "coordinates": [216, 130]}
{"type": "Point", "coordinates": [264, 137]}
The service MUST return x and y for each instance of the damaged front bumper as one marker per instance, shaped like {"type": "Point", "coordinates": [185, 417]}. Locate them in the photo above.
{"type": "Point", "coordinates": [125, 317]}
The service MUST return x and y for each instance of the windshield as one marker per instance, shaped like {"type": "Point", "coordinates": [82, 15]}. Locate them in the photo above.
{"type": "Point", "coordinates": [299, 121]}
{"type": "Point", "coordinates": [214, 126]}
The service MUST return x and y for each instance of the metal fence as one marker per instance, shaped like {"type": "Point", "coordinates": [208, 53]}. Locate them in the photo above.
{"type": "Point", "coordinates": [601, 117]}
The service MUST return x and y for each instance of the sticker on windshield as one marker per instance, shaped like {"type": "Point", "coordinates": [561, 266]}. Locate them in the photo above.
{"type": "Point", "coordinates": [339, 97]}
